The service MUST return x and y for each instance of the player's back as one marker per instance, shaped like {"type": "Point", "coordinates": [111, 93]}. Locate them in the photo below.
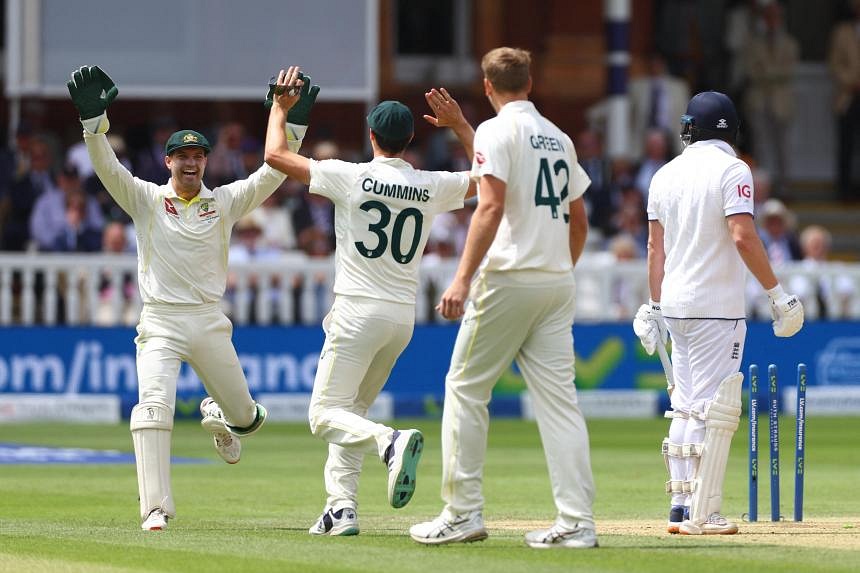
{"type": "Point", "coordinates": [383, 213]}
{"type": "Point", "coordinates": [537, 161]}
{"type": "Point", "coordinates": [691, 197]}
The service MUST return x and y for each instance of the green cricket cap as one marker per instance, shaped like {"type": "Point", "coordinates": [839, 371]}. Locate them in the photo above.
{"type": "Point", "coordinates": [186, 138]}
{"type": "Point", "coordinates": [392, 120]}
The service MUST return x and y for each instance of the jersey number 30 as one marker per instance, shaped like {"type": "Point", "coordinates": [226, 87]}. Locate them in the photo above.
{"type": "Point", "coordinates": [379, 229]}
{"type": "Point", "coordinates": [544, 191]}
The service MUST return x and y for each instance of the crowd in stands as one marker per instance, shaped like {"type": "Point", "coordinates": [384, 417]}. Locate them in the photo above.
{"type": "Point", "coordinates": [51, 201]}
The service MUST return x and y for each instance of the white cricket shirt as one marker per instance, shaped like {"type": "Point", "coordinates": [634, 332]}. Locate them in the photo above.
{"type": "Point", "coordinates": [538, 163]}
{"type": "Point", "coordinates": [691, 196]}
{"type": "Point", "coordinates": [383, 213]}
{"type": "Point", "coordinates": [182, 246]}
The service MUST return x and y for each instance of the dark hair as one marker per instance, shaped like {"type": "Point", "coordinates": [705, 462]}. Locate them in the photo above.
{"type": "Point", "coordinates": [392, 146]}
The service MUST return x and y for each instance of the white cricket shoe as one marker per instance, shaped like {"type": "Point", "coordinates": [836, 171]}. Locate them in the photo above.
{"type": "Point", "coordinates": [227, 445]}
{"type": "Point", "coordinates": [716, 524]}
{"type": "Point", "coordinates": [155, 521]}
{"type": "Point", "coordinates": [462, 528]}
{"type": "Point", "coordinates": [558, 536]}
{"type": "Point", "coordinates": [402, 457]}
{"type": "Point", "coordinates": [344, 521]}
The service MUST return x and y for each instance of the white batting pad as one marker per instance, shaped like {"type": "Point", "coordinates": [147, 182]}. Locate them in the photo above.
{"type": "Point", "coordinates": [721, 421]}
{"type": "Point", "coordinates": [151, 426]}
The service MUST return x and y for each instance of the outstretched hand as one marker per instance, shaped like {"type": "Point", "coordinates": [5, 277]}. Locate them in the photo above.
{"type": "Point", "coordinates": [446, 108]}
{"type": "Point", "coordinates": [92, 91]}
{"type": "Point", "coordinates": [287, 88]}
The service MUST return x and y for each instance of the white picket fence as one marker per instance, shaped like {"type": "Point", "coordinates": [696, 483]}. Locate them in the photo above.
{"type": "Point", "coordinates": [51, 289]}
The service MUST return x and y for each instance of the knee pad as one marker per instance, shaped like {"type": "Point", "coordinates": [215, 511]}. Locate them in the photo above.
{"type": "Point", "coordinates": [151, 427]}
{"type": "Point", "coordinates": [151, 416]}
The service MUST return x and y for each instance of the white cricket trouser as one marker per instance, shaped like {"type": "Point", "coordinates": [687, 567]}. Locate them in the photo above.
{"type": "Point", "coordinates": [704, 353]}
{"type": "Point", "coordinates": [364, 337]}
{"type": "Point", "coordinates": [527, 316]}
{"type": "Point", "coordinates": [200, 335]}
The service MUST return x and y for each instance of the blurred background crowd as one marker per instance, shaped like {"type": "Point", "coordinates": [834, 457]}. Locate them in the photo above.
{"type": "Point", "coordinates": [51, 201]}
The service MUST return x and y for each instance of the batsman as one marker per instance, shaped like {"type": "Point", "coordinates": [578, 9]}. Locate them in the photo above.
{"type": "Point", "coordinates": [701, 235]}
{"type": "Point", "coordinates": [183, 233]}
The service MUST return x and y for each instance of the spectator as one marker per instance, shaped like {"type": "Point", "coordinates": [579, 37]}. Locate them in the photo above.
{"type": "Point", "coordinates": [275, 221]}
{"type": "Point", "coordinates": [149, 163]}
{"type": "Point", "coordinates": [656, 156]}
{"type": "Point", "coordinates": [313, 214]}
{"type": "Point", "coordinates": [64, 218]}
{"type": "Point", "coordinates": [824, 295]}
{"type": "Point", "coordinates": [741, 20]}
{"type": "Point", "coordinates": [248, 246]}
{"type": "Point", "coordinates": [18, 204]}
{"type": "Point", "coordinates": [598, 199]}
{"type": "Point", "coordinates": [77, 233]}
{"type": "Point", "coordinates": [118, 301]}
{"type": "Point", "coordinates": [626, 294]}
{"type": "Point", "coordinates": [771, 59]}
{"type": "Point", "coordinates": [762, 186]}
{"type": "Point", "coordinates": [657, 101]}
{"type": "Point", "coordinates": [630, 219]}
{"type": "Point", "coordinates": [776, 232]}
{"type": "Point", "coordinates": [225, 162]}
{"type": "Point", "coordinates": [844, 59]}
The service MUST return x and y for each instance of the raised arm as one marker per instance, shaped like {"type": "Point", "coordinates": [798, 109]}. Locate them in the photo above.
{"type": "Point", "coordinates": [287, 91]}
{"type": "Point", "coordinates": [92, 91]}
{"type": "Point", "coordinates": [289, 131]}
{"type": "Point", "coordinates": [449, 114]}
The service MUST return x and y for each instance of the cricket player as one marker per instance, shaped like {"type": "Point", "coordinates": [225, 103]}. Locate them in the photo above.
{"type": "Point", "coordinates": [183, 231]}
{"type": "Point", "coordinates": [529, 229]}
{"type": "Point", "coordinates": [701, 235]}
{"type": "Point", "coordinates": [383, 213]}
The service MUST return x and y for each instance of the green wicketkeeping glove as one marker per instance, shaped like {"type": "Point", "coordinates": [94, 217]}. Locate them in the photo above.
{"type": "Point", "coordinates": [270, 95]}
{"type": "Point", "coordinates": [300, 113]}
{"type": "Point", "coordinates": [92, 91]}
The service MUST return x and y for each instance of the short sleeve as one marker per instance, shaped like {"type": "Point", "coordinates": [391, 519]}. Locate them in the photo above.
{"type": "Point", "coordinates": [333, 178]}
{"type": "Point", "coordinates": [492, 156]}
{"type": "Point", "coordinates": [451, 188]}
{"type": "Point", "coordinates": [737, 187]}
{"type": "Point", "coordinates": [653, 198]}
{"type": "Point", "coordinates": [579, 181]}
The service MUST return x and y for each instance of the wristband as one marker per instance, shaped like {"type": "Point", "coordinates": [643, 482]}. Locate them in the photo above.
{"type": "Point", "coordinates": [776, 292]}
{"type": "Point", "coordinates": [98, 124]}
{"type": "Point", "coordinates": [295, 132]}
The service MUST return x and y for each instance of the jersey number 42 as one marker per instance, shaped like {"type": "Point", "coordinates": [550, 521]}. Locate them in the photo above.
{"type": "Point", "coordinates": [544, 190]}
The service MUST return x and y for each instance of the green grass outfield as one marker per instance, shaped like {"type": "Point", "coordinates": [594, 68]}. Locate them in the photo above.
{"type": "Point", "coordinates": [254, 516]}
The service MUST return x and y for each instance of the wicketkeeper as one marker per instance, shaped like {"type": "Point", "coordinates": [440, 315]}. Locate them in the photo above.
{"type": "Point", "coordinates": [183, 232]}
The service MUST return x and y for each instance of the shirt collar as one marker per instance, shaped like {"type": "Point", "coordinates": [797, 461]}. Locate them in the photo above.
{"type": "Point", "coordinates": [205, 193]}
{"type": "Point", "coordinates": [515, 106]}
{"type": "Point", "coordinates": [393, 161]}
{"type": "Point", "coordinates": [719, 143]}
